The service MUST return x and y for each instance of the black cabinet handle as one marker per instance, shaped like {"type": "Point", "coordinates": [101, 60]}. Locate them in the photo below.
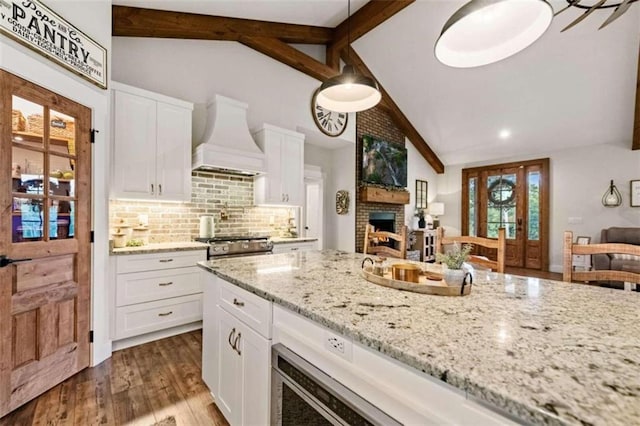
{"type": "Point", "coordinates": [232, 344]}
{"type": "Point", "coordinates": [237, 302]}
{"type": "Point", "coordinates": [236, 344]}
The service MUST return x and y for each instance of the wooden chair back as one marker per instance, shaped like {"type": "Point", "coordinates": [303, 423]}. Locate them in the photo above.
{"type": "Point", "coordinates": [372, 240]}
{"type": "Point", "coordinates": [499, 244]}
{"type": "Point", "coordinates": [569, 275]}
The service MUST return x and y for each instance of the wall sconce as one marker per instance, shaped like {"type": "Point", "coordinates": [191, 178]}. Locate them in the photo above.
{"type": "Point", "coordinates": [612, 197]}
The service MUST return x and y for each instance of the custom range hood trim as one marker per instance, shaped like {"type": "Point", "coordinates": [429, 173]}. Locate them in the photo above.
{"type": "Point", "coordinates": [228, 145]}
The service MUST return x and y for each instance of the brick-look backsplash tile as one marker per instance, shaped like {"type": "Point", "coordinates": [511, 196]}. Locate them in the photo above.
{"type": "Point", "coordinates": [374, 122]}
{"type": "Point", "coordinates": [210, 194]}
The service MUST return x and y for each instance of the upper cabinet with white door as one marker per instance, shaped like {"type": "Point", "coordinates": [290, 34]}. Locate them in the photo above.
{"type": "Point", "coordinates": [284, 152]}
{"type": "Point", "coordinates": [152, 145]}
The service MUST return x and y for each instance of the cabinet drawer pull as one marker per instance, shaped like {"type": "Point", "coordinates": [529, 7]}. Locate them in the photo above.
{"type": "Point", "coordinates": [159, 189]}
{"type": "Point", "coordinates": [233, 331]}
{"type": "Point", "coordinates": [237, 302]}
{"type": "Point", "coordinates": [165, 284]}
{"type": "Point", "coordinates": [165, 314]}
{"type": "Point", "coordinates": [151, 189]}
{"type": "Point", "coordinates": [166, 260]}
{"type": "Point", "coordinates": [295, 248]}
{"type": "Point", "coordinates": [236, 344]}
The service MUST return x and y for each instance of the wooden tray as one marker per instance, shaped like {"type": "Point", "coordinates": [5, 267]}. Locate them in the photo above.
{"type": "Point", "coordinates": [425, 286]}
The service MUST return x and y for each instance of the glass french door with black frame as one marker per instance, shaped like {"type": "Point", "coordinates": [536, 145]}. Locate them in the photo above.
{"type": "Point", "coordinates": [513, 196]}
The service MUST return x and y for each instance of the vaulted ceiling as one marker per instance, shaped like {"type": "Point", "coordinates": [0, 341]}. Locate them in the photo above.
{"type": "Point", "coordinates": [570, 89]}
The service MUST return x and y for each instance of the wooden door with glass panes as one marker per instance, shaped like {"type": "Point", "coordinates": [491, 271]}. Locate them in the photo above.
{"type": "Point", "coordinates": [45, 198]}
{"type": "Point", "coordinates": [512, 196]}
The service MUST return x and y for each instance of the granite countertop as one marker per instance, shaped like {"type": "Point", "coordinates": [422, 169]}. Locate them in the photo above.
{"type": "Point", "coordinates": [160, 248]}
{"type": "Point", "coordinates": [545, 351]}
{"type": "Point", "coordinates": [285, 240]}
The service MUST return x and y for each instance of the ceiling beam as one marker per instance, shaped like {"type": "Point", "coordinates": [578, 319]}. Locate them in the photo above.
{"type": "Point", "coordinates": [282, 52]}
{"type": "Point", "coordinates": [365, 19]}
{"type": "Point", "coordinates": [138, 22]}
{"type": "Point", "coordinates": [636, 127]}
{"type": "Point", "coordinates": [399, 119]}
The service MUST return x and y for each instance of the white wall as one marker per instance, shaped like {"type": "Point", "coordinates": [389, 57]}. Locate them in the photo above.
{"type": "Point", "coordinates": [339, 173]}
{"type": "Point", "coordinates": [418, 168]}
{"type": "Point", "coordinates": [579, 178]}
{"type": "Point", "coordinates": [196, 70]}
{"type": "Point", "coordinates": [94, 19]}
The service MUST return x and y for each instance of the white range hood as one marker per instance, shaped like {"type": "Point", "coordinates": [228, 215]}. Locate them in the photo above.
{"type": "Point", "coordinates": [227, 144]}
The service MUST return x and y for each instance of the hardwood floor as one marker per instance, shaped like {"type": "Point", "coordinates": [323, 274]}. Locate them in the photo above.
{"type": "Point", "coordinates": [158, 383]}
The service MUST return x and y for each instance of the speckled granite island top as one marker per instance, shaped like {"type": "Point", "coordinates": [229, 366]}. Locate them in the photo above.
{"type": "Point", "coordinates": [548, 352]}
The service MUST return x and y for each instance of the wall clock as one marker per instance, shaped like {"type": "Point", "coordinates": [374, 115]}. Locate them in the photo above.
{"type": "Point", "coordinates": [331, 123]}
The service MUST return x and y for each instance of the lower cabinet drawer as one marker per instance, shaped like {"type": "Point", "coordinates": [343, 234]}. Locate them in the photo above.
{"type": "Point", "coordinates": [140, 287]}
{"type": "Point", "coordinates": [147, 317]}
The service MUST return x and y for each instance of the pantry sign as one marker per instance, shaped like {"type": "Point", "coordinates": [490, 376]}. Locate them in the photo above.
{"type": "Point", "coordinates": [41, 29]}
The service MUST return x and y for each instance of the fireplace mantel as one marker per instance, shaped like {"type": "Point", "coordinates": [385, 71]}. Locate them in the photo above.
{"type": "Point", "coordinates": [374, 194]}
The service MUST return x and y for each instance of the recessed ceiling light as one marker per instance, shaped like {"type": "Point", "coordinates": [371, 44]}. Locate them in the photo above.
{"type": "Point", "coordinates": [504, 134]}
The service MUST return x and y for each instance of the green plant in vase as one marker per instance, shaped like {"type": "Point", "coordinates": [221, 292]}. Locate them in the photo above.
{"type": "Point", "coordinates": [457, 270]}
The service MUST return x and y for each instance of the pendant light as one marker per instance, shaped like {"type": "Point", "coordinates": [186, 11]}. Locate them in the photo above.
{"type": "Point", "coordinates": [612, 197]}
{"type": "Point", "coordinates": [349, 92]}
{"type": "Point", "coordinates": [485, 31]}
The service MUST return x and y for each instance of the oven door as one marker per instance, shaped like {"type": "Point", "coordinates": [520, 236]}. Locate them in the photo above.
{"type": "Point", "coordinates": [301, 394]}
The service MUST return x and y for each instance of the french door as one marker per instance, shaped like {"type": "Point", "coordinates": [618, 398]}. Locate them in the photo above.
{"type": "Point", "coordinates": [514, 196]}
{"type": "Point", "coordinates": [45, 199]}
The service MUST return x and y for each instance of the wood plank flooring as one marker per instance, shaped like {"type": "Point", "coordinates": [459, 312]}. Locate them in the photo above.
{"type": "Point", "coordinates": [158, 383]}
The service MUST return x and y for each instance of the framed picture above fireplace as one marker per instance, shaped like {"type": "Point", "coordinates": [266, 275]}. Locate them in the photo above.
{"type": "Point", "coordinates": [383, 163]}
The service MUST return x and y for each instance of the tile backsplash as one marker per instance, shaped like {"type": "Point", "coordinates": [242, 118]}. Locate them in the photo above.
{"type": "Point", "coordinates": [212, 194]}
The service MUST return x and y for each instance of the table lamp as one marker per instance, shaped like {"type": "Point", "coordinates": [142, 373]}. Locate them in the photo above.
{"type": "Point", "coordinates": [435, 210]}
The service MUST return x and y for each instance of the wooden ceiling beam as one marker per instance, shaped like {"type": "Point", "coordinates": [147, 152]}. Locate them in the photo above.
{"type": "Point", "coordinates": [400, 120]}
{"type": "Point", "coordinates": [139, 22]}
{"type": "Point", "coordinates": [282, 52]}
{"type": "Point", "coordinates": [365, 19]}
{"type": "Point", "coordinates": [635, 144]}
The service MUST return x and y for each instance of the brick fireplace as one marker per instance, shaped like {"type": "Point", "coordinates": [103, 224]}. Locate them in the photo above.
{"type": "Point", "coordinates": [374, 122]}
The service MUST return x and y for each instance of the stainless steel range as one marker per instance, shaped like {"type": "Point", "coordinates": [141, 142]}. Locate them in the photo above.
{"type": "Point", "coordinates": [235, 246]}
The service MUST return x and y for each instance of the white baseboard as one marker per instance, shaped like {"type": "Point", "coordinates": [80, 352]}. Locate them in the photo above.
{"type": "Point", "coordinates": [156, 335]}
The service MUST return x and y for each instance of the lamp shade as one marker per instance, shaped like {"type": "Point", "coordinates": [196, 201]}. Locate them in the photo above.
{"type": "Point", "coordinates": [348, 92]}
{"type": "Point", "coordinates": [485, 31]}
{"type": "Point", "coordinates": [436, 209]}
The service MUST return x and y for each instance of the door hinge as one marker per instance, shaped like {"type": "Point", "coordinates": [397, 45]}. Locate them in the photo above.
{"type": "Point", "coordinates": [90, 336]}
{"type": "Point", "coordinates": [91, 236]}
{"type": "Point", "coordinates": [93, 135]}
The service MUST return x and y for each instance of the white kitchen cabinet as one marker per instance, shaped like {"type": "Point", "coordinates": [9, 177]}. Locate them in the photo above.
{"type": "Point", "coordinates": [294, 246]}
{"type": "Point", "coordinates": [154, 293]}
{"type": "Point", "coordinates": [236, 351]}
{"type": "Point", "coordinates": [244, 372]}
{"type": "Point", "coordinates": [152, 145]}
{"type": "Point", "coordinates": [283, 184]}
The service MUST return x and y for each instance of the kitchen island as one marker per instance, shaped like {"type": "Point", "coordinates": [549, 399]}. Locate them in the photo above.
{"type": "Point", "coordinates": [546, 352]}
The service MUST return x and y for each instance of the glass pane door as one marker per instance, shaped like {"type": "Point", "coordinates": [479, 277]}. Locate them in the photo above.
{"type": "Point", "coordinates": [501, 205]}
{"type": "Point", "coordinates": [43, 160]}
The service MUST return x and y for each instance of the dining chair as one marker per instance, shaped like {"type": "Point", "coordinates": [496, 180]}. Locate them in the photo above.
{"type": "Point", "coordinates": [629, 277]}
{"type": "Point", "coordinates": [374, 242]}
{"type": "Point", "coordinates": [499, 244]}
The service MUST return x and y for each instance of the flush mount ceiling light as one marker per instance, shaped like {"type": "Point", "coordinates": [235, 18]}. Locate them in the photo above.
{"type": "Point", "coordinates": [348, 92]}
{"type": "Point", "coordinates": [485, 31]}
